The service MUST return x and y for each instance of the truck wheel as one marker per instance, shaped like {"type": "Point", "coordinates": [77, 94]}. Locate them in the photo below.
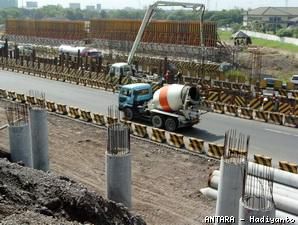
{"type": "Point", "coordinates": [171, 124]}
{"type": "Point", "coordinates": [157, 121]}
{"type": "Point", "coordinates": [128, 113]}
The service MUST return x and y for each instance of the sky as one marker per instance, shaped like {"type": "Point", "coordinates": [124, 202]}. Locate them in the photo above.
{"type": "Point", "coordinates": [210, 4]}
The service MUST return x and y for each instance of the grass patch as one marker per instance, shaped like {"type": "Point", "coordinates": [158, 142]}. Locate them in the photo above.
{"type": "Point", "coordinates": [275, 45]}
{"type": "Point", "coordinates": [224, 35]}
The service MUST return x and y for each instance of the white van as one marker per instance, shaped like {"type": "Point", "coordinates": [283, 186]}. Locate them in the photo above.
{"type": "Point", "coordinates": [294, 79]}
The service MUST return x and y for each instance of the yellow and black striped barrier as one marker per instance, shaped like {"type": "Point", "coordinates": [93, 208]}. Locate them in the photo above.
{"type": "Point", "coordinates": [61, 109]}
{"type": "Point", "coordinates": [51, 106]}
{"type": "Point", "coordinates": [11, 95]}
{"type": "Point", "coordinates": [255, 103]}
{"type": "Point", "coordinates": [176, 140]}
{"type": "Point", "coordinates": [232, 110]}
{"type": "Point", "coordinates": [268, 106]}
{"type": "Point", "coordinates": [291, 121]}
{"type": "Point", "coordinates": [276, 118]}
{"type": "Point", "coordinates": [3, 93]}
{"type": "Point", "coordinates": [225, 98]}
{"type": "Point", "coordinates": [196, 145]}
{"type": "Point", "coordinates": [212, 96]}
{"type": "Point", "coordinates": [41, 102]}
{"type": "Point", "coordinates": [139, 130]}
{"type": "Point", "coordinates": [219, 108]}
{"type": "Point", "coordinates": [287, 166]}
{"type": "Point", "coordinates": [74, 112]}
{"type": "Point", "coordinates": [127, 123]}
{"type": "Point", "coordinates": [99, 119]}
{"type": "Point", "coordinates": [263, 160]}
{"type": "Point", "coordinates": [215, 150]}
{"type": "Point", "coordinates": [86, 115]}
{"type": "Point", "coordinates": [158, 135]}
{"type": "Point", "coordinates": [21, 98]}
{"type": "Point", "coordinates": [30, 100]}
{"type": "Point", "coordinates": [261, 115]}
{"type": "Point", "coordinates": [285, 108]}
{"type": "Point", "coordinates": [239, 101]}
{"type": "Point", "coordinates": [237, 152]}
{"type": "Point", "coordinates": [246, 113]}
{"type": "Point", "coordinates": [111, 120]}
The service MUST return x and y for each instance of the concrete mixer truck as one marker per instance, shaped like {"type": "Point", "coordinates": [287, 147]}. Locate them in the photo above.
{"type": "Point", "coordinates": [170, 107]}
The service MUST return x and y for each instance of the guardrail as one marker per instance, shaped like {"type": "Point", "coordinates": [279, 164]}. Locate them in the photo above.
{"type": "Point", "coordinates": [290, 120]}
{"type": "Point", "coordinates": [159, 136]}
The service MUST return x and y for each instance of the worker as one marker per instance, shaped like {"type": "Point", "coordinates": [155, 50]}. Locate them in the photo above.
{"type": "Point", "coordinates": [179, 78]}
{"type": "Point", "coordinates": [167, 76]}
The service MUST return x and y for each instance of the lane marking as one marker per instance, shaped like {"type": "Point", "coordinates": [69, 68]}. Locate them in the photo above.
{"type": "Point", "coordinates": [281, 132]}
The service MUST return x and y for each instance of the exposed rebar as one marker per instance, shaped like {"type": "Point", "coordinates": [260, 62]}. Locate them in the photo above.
{"type": "Point", "coordinates": [235, 148]}
{"type": "Point", "coordinates": [41, 96]}
{"type": "Point", "coordinates": [118, 139]}
{"type": "Point", "coordinates": [16, 113]}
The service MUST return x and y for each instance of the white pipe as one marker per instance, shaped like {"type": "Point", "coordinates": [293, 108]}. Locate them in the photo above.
{"type": "Point", "coordinates": [279, 189]}
{"type": "Point", "coordinates": [212, 193]}
{"type": "Point", "coordinates": [284, 215]}
{"type": "Point", "coordinates": [280, 176]}
{"type": "Point", "coordinates": [209, 192]}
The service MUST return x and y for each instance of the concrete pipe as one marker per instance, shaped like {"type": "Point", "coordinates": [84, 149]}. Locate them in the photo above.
{"type": "Point", "coordinates": [20, 144]}
{"type": "Point", "coordinates": [212, 193]}
{"type": "Point", "coordinates": [251, 215]}
{"type": "Point", "coordinates": [118, 174]}
{"type": "Point", "coordinates": [280, 176]}
{"type": "Point", "coordinates": [209, 192]}
{"type": "Point", "coordinates": [279, 189]}
{"type": "Point", "coordinates": [290, 219]}
{"type": "Point", "coordinates": [39, 133]}
{"type": "Point", "coordinates": [230, 188]}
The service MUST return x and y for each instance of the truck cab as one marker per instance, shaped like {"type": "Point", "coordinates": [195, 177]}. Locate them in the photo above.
{"type": "Point", "coordinates": [120, 69]}
{"type": "Point", "coordinates": [132, 99]}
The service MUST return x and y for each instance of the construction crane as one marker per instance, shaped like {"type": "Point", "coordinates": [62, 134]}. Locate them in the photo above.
{"type": "Point", "coordinates": [124, 69]}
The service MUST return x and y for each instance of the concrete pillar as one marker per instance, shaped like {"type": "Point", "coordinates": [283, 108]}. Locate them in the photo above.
{"type": "Point", "coordinates": [230, 188]}
{"type": "Point", "coordinates": [118, 175]}
{"type": "Point", "coordinates": [20, 143]}
{"type": "Point", "coordinates": [39, 133]}
{"type": "Point", "coordinates": [251, 212]}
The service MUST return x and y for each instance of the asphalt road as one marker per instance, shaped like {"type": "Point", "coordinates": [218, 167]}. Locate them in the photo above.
{"type": "Point", "coordinates": [279, 142]}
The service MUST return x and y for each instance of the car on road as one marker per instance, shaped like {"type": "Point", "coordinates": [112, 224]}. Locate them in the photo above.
{"type": "Point", "coordinates": [294, 80]}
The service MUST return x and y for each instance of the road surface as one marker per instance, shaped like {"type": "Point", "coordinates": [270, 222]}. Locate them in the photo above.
{"type": "Point", "coordinates": [276, 141]}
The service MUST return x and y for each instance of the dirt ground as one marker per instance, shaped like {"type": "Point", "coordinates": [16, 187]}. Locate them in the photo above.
{"type": "Point", "coordinates": [166, 183]}
{"type": "Point", "coordinates": [280, 64]}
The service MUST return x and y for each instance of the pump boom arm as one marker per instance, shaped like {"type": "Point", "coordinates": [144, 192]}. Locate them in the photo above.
{"type": "Point", "coordinates": [149, 14]}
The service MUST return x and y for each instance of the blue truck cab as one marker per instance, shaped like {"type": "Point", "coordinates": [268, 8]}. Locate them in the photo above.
{"type": "Point", "coordinates": [132, 96]}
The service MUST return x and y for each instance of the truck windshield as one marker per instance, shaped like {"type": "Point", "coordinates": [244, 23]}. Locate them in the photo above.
{"type": "Point", "coordinates": [126, 92]}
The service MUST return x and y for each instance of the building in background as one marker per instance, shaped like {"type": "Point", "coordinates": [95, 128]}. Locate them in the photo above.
{"type": "Point", "coordinates": [31, 5]}
{"type": "Point", "coordinates": [74, 5]}
{"type": "Point", "coordinates": [8, 4]}
{"type": "Point", "coordinates": [270, 18]}
{"type": "Point", "coordinates": [90, 7]}
{"type": "Point", "coordinates": [98, 7]}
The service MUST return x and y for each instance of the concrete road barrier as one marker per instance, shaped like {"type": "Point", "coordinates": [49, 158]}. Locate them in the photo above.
{"type": "Point", "coordinates": [215, 150]}
{"type": "Point", "coordinates": [74, 112]}
{"type": "Point", "coordinates": [175, 140]}
{"type": "Point", "coordinates": [261, 116]}
{"type": "Point", "coordinates": [61, 109]}
{"type": "Point", "coordinates": [196, 145]}
{"type": "Point", "coordinates": [287, 166]}
{"type": "Point", "coordinates": [158, 135]}
{"type": "Point", "coordinates": [139, 130]}
{"type": "Point", "coordinates": [99, 119]}
{"type": "Point", "coordinates": [263, 160]}
{"type": "Point", "coordinates": [51, 106]}
{"type": "Point", "coordinates": [86, 115]}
